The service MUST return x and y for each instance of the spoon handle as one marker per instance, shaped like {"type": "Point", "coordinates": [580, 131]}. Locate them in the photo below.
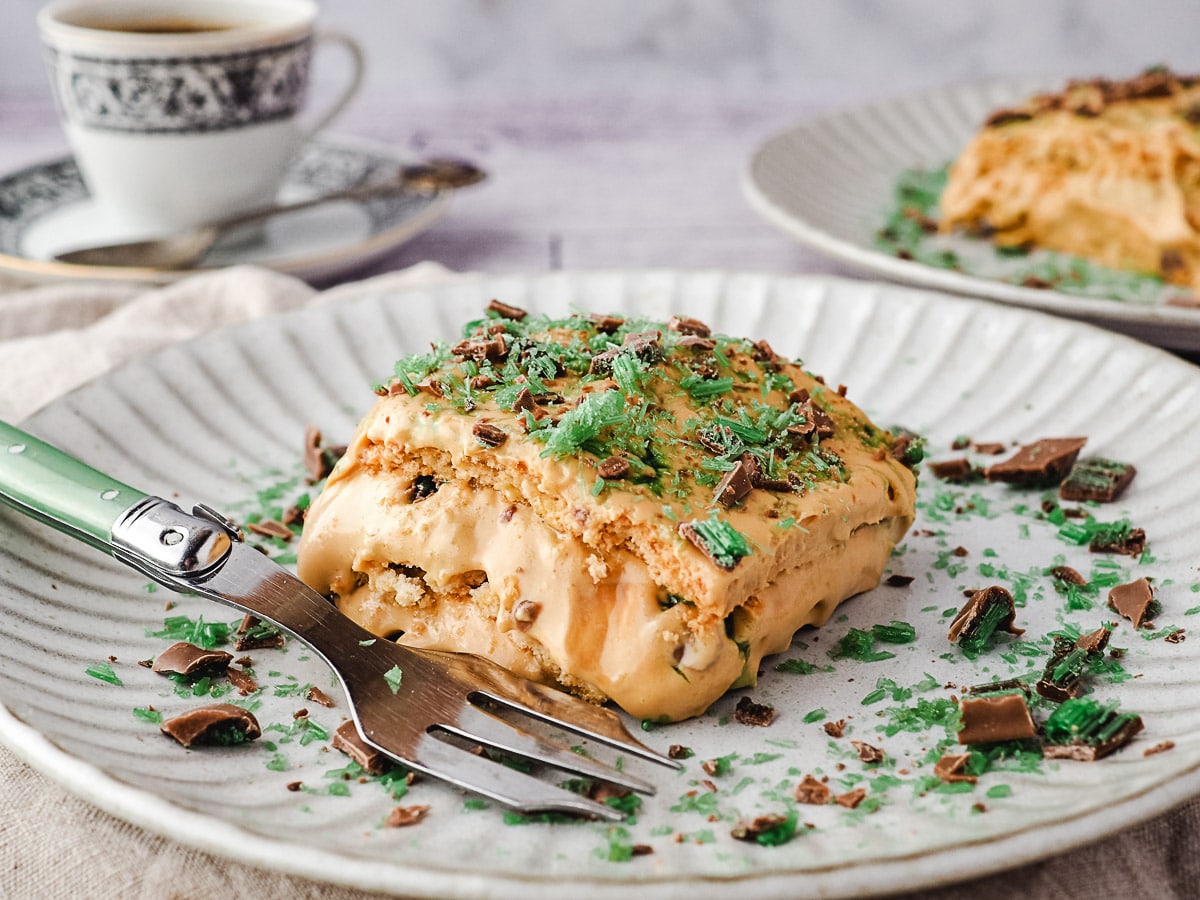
{"type": "Point", "coordinates": [360, 192]}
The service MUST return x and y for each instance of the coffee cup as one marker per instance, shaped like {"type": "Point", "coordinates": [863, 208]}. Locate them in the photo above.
{"type": "Point", "coordinates": [180, 112]}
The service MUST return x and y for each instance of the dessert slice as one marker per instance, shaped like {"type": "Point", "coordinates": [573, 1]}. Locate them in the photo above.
{"type": "Point", "coordinates": [1107, 170]}
{"type": "Point", "coordinates": [638, 510]}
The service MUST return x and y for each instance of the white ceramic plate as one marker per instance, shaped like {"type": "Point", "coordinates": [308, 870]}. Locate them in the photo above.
{"type": "Point", "coordinates": [45, 209]}
{"type": "Point", "coordinates": [220, 418]}
{"type": "Point", "coordinates": [829, 183]}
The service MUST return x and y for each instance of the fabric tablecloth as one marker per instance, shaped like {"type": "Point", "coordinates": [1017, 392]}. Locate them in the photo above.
{"type": "Point", "coordinates": [54, 846]}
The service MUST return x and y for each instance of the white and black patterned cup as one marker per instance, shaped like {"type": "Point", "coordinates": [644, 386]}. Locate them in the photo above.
{"type": "Point", "coordinates": [180, 112]}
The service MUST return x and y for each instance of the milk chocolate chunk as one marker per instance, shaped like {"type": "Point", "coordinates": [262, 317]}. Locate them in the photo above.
{"type": "Point", "coordinates": [254, 634]}
{"type": "Point", "coordinates": [243, 682]}
{"type": "Point", "coordinates": [271, 528]}
{"type": "Point", "coordinates": [953, 469]}
{"type": "Point", "coordinates": [990, 448]}
{"type": "Point", "coordinates": [1069, 662]}
{"type": "Point", "coordinates": [750, 713]}
{"type": "Point", "coordinates": [1086, 730]}
{"type": "Point", "coordinates": [507, 311]}
{"type": "Point", "coordinates": [867, 753]}
{"type": "Point", "coordinates": [735, 485]}
{"type": "Point", "coordinates": [813, 792]}
{"type": "Point", "coordinates": [1132, 600]}
{"type": "Point", "coordinates": [851, 799]}
{"type": "Point", "coordinates": [319, 460]}
{"type": "Point", "coordinates": [1123, 540]}
{"type": "Point", "coordinates": [488, 435]}
{"type": "Point", "coordinates": [986, 611]}
{"type": "Point", "coordinates": [182, 658]}
{"type": "Point", "coordinates": [1043, 462]}
{"type": "Point", "coordinates": [613, 468]}
{"type": "Point", "coordinates": [220, 724]}
{"type": "Point", "coordinates": [688, 326]}
{"type": "Point", "coordinates": [952, 768]}
{"type": "Point", "coordinates": [403, 816]}
{"type": "Point", "coordinates": [1098, 479]}
{"type": "Point", "coordinates": [999, 717]}
{"type": "Point", "coordinates": [1068, 575]}
{"type": "Point", "coordinates": [347, 740]}
{"type": "Point", "coordinates": [760, 827]}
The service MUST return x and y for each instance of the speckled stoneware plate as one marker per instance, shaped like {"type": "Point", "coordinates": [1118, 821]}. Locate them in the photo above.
{"type": "Point", "coordinates": [830, 183]}
{"type": "Point", "coordinates": [46, 209]}
{"type": "Point", "coordinates": [222, 420]}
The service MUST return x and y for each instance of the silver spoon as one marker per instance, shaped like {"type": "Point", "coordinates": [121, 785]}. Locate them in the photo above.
{"type": "Point", "coordinates": [188, 248]}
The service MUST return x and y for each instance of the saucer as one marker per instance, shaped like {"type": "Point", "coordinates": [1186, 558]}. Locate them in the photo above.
{"type": "Point", "coordinates": [45, 209]}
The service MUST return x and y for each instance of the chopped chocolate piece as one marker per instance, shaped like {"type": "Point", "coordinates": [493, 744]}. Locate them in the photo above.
{"type": "Point", "coordinates": [702, 344]}
{"type": "Point", "coordinates": [254, 634]}
{"type": "Point", "coordinates": [525, 613]}
{"type": "Point", "coordinates": [817, 423]}
{"type": "Point", "coordinates": [295, 786]}
{"type": "Point", "coordinates": [1003, 117]}
{"type": "Point", "coordinates": [715, 439]}
{"type": "Point", "coordinates": [316, 695]}
{"type": "Point", "coordinates": [752, 831]}
{"type": "Point", "coordinates": [1132, 600]}
{"type": "Point", "coordinates": [851, 799]}
{"type": "Point", "coordinates": [988, 609]}
{"type": "Point", "coordinates": [293, 515]}
{"type": "Point", "coordinates": [763, 353]}
{"type": "Point", "coordinates": [524, 401]}
{"type": "Point", "coordinates": [908, 447]}
{"type": "Point", "coordinates": [835, 729]}
{"type": "Point", "coordinates": [183, 658]}
{"type": "Point", "coordinates": [613, 469]}
{"type": "Point", "coordinates": [961, 551]}
{"type": "Point", "coordinates": [750, 713]}
{"type": "Point", "coordinates": [992, 448]}
{"type": "Point", "coordinates": [602, 363]}
{"type": "Point", "coordinates": [317, 459]}
{"type": "Point", "coordinates": [489, 435]}
{"type": "Point", "coordinates": [1043, 462]}
{"type": "Point", "coordinates": [1086, 730]}
{"type": "Point", "coordinates": [1098, 479]}
{"type": "Point", "coordinates": [950, 768]}
{"type": "Point", "coordinates": [505, 311]}
{"type": "Point", "coordinates": [899, 580]}
{"type": "Point", "coordinates": [953, 469]}
{"type": "Point", "coordinates": [1068, 663]}
{"type": "Point", "coordinates": [735, 485]}
{"type": "Point", "coordinates": [403, 816]}
{"type": "Point", "coordinates": [1094, 641]}
{"type": "Point", "coordinates": [271, 528]}
{"type": "Point", "coordinates": [1178, 636]}
{"type": "Point", "coordinates": [867, 753]}
{"type": "Point", "coordinates": [812, 792]}
{"type": "Point", "coordinates": [993, 687]}
{"type": "Point", "coordinates": [348, 740]}
{"type": "Point", "coordinates": [221, 724]}
{"type": "Point", "coordinates": [423, 487]}
{"type": "Point", "coordinates": [647, 345]}
{"type": "Point", "coordinates": [998, 717]}
{"type": "Point", "coordinates": [711, 767]}
{"type": "Point", "coordinates": [605, 324]}
{"type": "Point", "coordinates": [678, 751]}
{"type": "Point", "coordinates": [242, 681]}
{"type": "Point", "coordinates": [1068, 575]}
{"type": "Point", "coordinates": [718, 540]}
{"type": "Point", "coordinates": [1123, 541]}
{"type": "Point", "coordinates": [430, 386]}
{"type": "Point", "coordinates": [1161, 747]}
{"type": "Point", "coordinates": [799, 395]}
{"type": "Point", "coordinates": [641, 850]}
{"type": "Point", "coordinates": [688, 325]}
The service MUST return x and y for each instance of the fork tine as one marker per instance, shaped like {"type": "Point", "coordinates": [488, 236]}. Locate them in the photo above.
{"type": "Point", "coordinates": [480, 726]}
{"type": "Point", "coordinates": [501, 783]}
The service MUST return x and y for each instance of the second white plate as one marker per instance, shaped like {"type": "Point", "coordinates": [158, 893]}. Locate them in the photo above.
{"type": "Point", "coordinates": [829, 183]}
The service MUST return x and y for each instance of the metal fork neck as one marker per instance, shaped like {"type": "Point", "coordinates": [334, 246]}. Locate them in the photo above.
{"type": "Point", "coordinates": [157, 537]}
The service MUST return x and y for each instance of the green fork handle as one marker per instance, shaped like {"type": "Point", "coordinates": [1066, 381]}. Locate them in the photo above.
{"type": "Point", "coordinates": [55, 488]}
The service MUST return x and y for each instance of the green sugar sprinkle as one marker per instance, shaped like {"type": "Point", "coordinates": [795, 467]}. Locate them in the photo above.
{"type": "Point", "coordinates": [103, 672]}
{"type": "Point", "coordinates": [147, 714]}
{"type": "Point", "coordinates": [816, 715]}
{"type": "Point", "coordinates": [393, 677]}
{"type": "Point", "coordinates": [895, 633]}
{"type": "Point", "coordinates": [859, 645]}
{"type": "Point", "coordinates": [724, 543]}
{"type": "Point", "coordinates": [203, 634]}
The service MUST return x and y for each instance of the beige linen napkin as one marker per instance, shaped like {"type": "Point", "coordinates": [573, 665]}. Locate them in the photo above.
{"type": "Point", "coordinates": [54, 846]}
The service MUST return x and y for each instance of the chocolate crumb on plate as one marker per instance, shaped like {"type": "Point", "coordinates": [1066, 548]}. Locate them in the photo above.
{"type": "Point", "coordinates": [318, 696]}
{"type": "Point", "coordinates": [1161, 747]}
{"type": "Point", "coordinates": [403, 816]}
{"type": "Point", "coordinates": [835, 729]}
{"type": "Point", "coordinates": [678, 751]}
{"type": "Point", "coordinates": [1069, 661]}
{"type": "Point", "coordinates": [255, 634]}
{"type": "Point", "coordinates": [986, 611]}
{"type": "Point", "coordinates": [347, 740]}
{"type": "Point", "coordinates": [1086, 730]}
{"type": "Point", "coordinates": [999, 717]}
{"type": "Point", "coordinates": [1068, 575]}
{"type": "Point", "coordinates": [1178, 636]}
{"type": "Point", "coordinates": [867, 753]}
{"type": "Point", "coordinates": [812, 792]}
{"type": "Point", "coordinates": [243, 682]}
{"type": "Point", "coordinates": [271, 528]}
{"type": "Point", "coordinates": [899, 580]}
{"type": "Point", "coordinates": [1097, 479]}
{"type": "Point", "coordinates": [756, 828]}
{"type": "Point", "coordinates": [750, 713]}
{"type": "Point", "coordinates": [953, 469]}
{"type": "Point", "coordinates": [851, 799]}
{"type": "Point", "coordinates": [220, 724]}
{"type": "Point", "coordinates": [1043, 462]}
{"type": "Point", "coordinates": [990, 448]}
{"type": "Point", "coordinates": [951, 766]}
{"type": "Point", "coordinates": [1124, 541]}
{"type": "Point", "coordinates": [1132, 600]}
{"type": "Point", "coordinates": [182, 658]}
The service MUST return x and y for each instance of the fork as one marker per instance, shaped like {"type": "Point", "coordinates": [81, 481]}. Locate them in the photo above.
{"type": "Point", "coordinates": [430, 711]}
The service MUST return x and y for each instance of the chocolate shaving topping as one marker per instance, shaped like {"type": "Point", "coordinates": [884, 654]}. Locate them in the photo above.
{"type": "Point", "coordinates": [524, 401]}
{"type": "Point", "coordinates": [811, 791]}
{"type": "Point", "coordinates": [953, 469]}
{"type": "Point", "coordinates": [318, 460]}
{"type": "Point", "coordinates": [1006, 117]}
{"type": "Point", "coordinates": [950, 768]}
{"type": "Point", "coordinates": [735, 485]}
{"type": "Point", "coordinates": [432, 386]}
{"type": "Point", "coordinates": [348, 741]}
{"type": "Point", "coordinates": [182, 658]}
{"type": "Point", "coordinates": [1178, 636]}
{"type": "Point", "coordinates": [689, 326]}
{"type": "Point", "coordinates": [613, 469]}
{"type": "Point", "coordinates": [693, 342]}
{"type": "Point", "coordinates": [646, 345]}
{"type": "Point", "coordinates": [1043, 462]}
{"type": "Point", "coordinates": [602, 363]}
{"type": "Point", "coordinates": [999, 717]}
{"type": "Point", "coordinates": [750, 713]}
{"type": "Point", "coordinates": [488, 435]}
{"type": "Point", "coordinates": [986, 611]}
{"type": "Point", "coordinates": [1097, 479]}
{"type": "Point", "coordinates": [218, 723]}
{"type": "Point", "coordinates": [493, 350]}
{"type": "Point", "coordinates": [605, 324]}
{"type": "Point", "coordinates": [750, 831]}
{"type": "Point", "coordinates": [505, 311]}
{"type": "Point", "coordinates": [271, 528]}
{"type": "Point", "coordinates": [403, 816]}
{"type": "Point", "coordinates": [243, 682]}
{"type": "Point", "coordinates": [867, 753]}
{"type": "Point", "coordinates": [1132, 600]}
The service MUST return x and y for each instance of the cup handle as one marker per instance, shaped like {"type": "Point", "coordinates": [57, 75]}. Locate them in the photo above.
{"type": "Point", "coordinates": [358, 61]}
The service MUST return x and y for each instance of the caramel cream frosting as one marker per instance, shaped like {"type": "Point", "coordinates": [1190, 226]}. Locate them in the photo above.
{"type": "Point", "coordinates": [637, 510]}
{"type": "Point", "coordinates": [1106, 170]}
